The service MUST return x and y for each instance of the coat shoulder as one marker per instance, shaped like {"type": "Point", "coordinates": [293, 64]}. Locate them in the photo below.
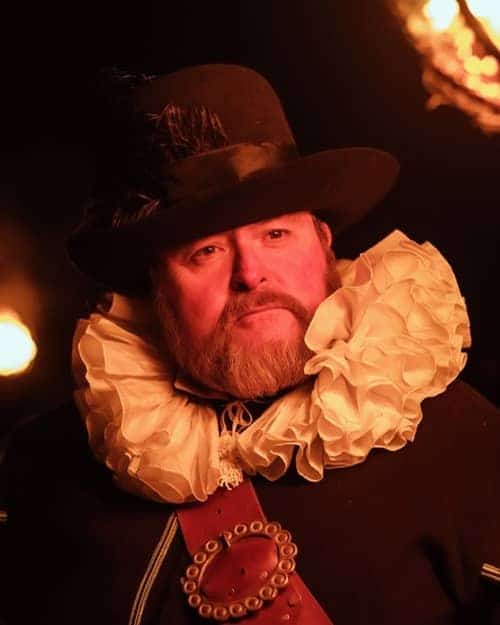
{"type": "Point", "coordinates": [463, 399]}
{"type": "Point", "coordinates": [58, 429]}
{"type": "Point", "coordinates": [460, 433]}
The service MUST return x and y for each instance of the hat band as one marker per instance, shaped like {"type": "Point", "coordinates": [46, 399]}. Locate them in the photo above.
{"type": "Point", "coordinates": [224, 167]}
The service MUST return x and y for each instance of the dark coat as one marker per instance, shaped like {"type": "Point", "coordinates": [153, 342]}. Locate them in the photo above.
{"type": "Point", "coordinates": [397, 540]}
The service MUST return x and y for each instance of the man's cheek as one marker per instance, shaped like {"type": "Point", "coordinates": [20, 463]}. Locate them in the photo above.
{"type": "Point", "coordinates": [201, 315]}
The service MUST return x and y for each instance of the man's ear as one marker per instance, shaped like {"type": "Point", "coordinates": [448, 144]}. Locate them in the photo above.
{"type": "Point", "coordinates": [326, 232]}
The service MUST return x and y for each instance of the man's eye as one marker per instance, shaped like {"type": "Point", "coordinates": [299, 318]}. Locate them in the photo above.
{"type": "Point", "coordinates": [204, 253]}
{"type": "Point", "coordinates": [276, 233]}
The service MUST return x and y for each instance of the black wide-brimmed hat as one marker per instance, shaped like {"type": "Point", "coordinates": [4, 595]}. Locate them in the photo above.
{"type": "Point", "coordinates": [229, 159]}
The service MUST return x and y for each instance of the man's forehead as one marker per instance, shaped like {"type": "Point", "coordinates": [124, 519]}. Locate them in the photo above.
{"type": "Point", "coordinates": [288, 219]}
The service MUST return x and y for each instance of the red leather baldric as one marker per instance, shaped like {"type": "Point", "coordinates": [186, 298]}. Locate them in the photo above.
{"type": "Point", "coordinates": [242, 568]}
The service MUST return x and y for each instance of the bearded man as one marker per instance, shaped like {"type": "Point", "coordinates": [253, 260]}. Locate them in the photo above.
{"type": "Point", "coordinates": [286, 430]}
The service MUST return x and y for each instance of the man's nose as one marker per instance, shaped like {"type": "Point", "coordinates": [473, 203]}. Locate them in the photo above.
{"type": "Point", "coordinates": [248, 272]}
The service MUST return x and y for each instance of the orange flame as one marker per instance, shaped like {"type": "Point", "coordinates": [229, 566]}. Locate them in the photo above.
{"type": "Point", "coordinates": [459, 69]}
{"type": "Point", "coordinates": [17, 348]}
{"type": "Point", "coordinates": [441, 13]}
{"type": "Point", "coordinates": [488, 13]}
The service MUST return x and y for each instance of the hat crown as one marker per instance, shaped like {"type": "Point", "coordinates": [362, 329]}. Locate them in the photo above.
{"type": "Point", "coordinates": [245, 103]}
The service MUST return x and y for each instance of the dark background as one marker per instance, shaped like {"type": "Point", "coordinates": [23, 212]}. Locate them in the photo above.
{"type": "Point", "coordinates": [346, 75]}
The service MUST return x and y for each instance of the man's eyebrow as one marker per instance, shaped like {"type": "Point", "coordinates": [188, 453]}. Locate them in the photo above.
{"type": "Point", "coordinates": [289, 218]}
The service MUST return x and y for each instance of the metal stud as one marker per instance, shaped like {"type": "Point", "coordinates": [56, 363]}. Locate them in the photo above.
{"type": "Point", "coordinates": [211, 546]}
{"type": "Point", "coordinates": [194, 600]}
{"type": "Point", "coordinates": [220, 613]}
{"type": "Point", "coordinates": [279, 580]}
{"type": "Point", "coordinates": [200, 557]}
{"type": "Point", "coordinates": [205, 610]}
{"type": "Point", "coordinates": [253, 603]}
{"type": "Point", "coordinates": [237, 610]}
{"type": "Point", "coordinates": [189, 586]}
{"type": "Point", "coordinates": [240, 529]}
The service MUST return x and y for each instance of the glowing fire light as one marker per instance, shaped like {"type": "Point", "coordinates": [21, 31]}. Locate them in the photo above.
{"type": "Point", "coordinates": [460, 45]}
{"type": "Point", "coordinates": [17, 348]}
{"type": "Point", "coordinates": [488, 13]}
{"type": "Point", "coordinates": [441, 13]}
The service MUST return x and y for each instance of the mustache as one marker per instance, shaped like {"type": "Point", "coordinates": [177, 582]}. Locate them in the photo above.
{"type": "Point", "coordinates": [242, 303]}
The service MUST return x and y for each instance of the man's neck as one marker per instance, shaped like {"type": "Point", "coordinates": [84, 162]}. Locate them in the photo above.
{"type": "Point", "coordinates": [219, 400]}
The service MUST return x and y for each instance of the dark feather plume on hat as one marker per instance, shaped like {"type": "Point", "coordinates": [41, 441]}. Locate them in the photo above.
{"type": "Point", "coordinates": [134, 149]}
{"type": "Point", "coordinates": [186, 131]}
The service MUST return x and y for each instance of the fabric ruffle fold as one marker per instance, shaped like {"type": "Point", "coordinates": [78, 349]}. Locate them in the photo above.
{"type": "Point", "coordinates": [389, 337]}
{"type": "Point", "coordinates": [132, 411]}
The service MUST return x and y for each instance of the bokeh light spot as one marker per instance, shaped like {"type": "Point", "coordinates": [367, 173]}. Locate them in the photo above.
{"type": "Point", "coordinates": [17, 348]}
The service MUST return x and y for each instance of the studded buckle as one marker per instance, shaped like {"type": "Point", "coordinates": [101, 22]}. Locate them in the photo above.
{"type": "Point", "coordinates": [278, 578]}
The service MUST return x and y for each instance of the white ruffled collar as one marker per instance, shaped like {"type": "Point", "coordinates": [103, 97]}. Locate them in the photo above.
{"type": "Point", "coordinates": [391, 336]}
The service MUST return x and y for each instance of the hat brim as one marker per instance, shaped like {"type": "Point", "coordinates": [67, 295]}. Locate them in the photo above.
{"type": "Point", "coordinates": [340, 185]}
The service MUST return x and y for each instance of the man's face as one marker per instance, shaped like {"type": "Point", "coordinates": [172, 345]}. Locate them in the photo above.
{"type": "Point", "coordinates": [234, 307]}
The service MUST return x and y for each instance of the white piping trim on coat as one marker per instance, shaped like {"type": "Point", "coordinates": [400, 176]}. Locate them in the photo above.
{"type": "Point", "coordinates": [152, 569]}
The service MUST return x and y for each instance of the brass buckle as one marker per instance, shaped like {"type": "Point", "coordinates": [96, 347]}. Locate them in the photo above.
{"type": "Point", "coordinates": [278, 578]}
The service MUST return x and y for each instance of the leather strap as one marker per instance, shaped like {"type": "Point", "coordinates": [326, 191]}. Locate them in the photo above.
{"type": "Point", "coordinates": [223, 510]}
